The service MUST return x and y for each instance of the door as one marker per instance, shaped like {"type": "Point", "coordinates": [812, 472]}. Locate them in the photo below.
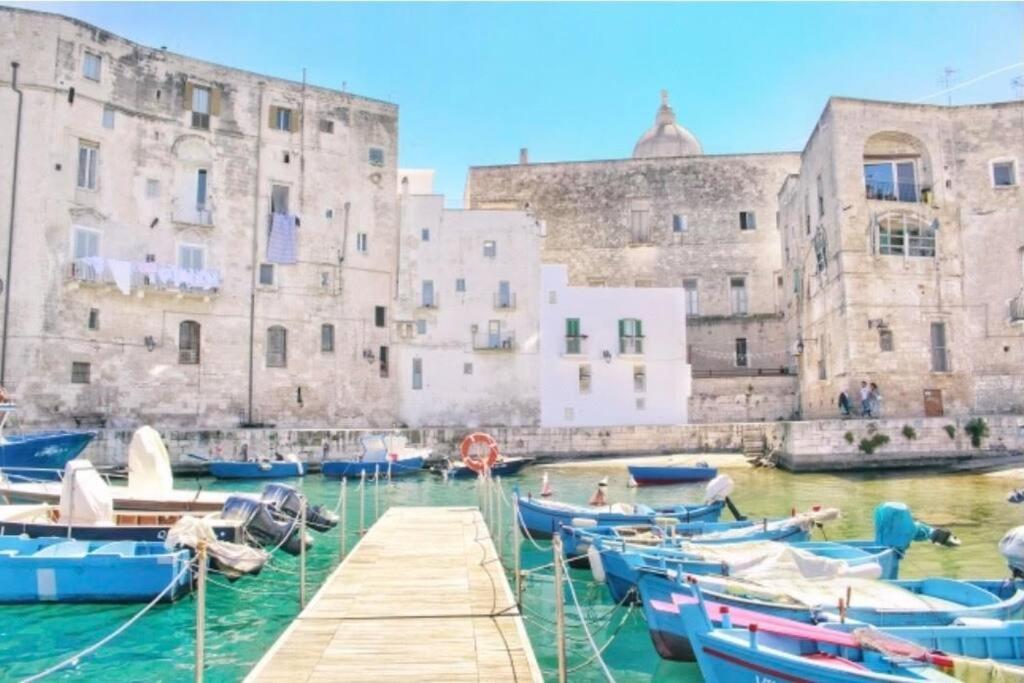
{"type": "Point", "coordinates": [279, 199]}
{"type": "Point", "coordinates": [504, 294]}
{"type": "Point", "coordinates": [494, 334]}
{"type": "Point", "coordinates": [933, 403]}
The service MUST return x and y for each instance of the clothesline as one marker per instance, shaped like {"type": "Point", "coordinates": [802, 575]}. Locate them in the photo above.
{"type": "Point", "coordinates": [131, 275]}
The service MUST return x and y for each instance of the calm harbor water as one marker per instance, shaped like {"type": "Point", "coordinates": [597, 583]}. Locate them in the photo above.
{"type": "Point", "coordinates": [244, 619]}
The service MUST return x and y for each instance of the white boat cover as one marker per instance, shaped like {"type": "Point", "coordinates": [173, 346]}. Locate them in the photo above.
{"type": "Point", "coordinates": [234, 559]}
{"type": "Point", "coordinates": [759, 560]}
{"type": "Point", "coordinates": [84, 497]}
{"type": "Point", "coordinates": [149, 466]}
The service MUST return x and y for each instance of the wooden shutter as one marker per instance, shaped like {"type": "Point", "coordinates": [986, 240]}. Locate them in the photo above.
{"type": "Point", "coordinates": [296, 120]}
{"type": "Point", "coordinates": [187, 102]}
{"type": "Point", "coordinates": [215, 101]}
{"type": "Point", "coordinates": [272, 118]}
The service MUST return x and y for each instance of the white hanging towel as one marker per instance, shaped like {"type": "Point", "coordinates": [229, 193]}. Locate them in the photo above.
{"type": "Point", "coordinates": [281, 243]}
{"type": "Point", "coordinates": [121, 272]}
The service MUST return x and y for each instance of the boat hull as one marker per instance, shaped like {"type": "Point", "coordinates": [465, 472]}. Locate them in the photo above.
{"type": "Point", "coordinates": [224, 469]}
{"type": "Point", "coordinates": [503, 469]}
{"type": "Point", "coordinates": [224, 532]}
{"type": "Point", "coordinates": [653, 476]}
{"type": "Point", "coordinates": [352, 468]}
{"type": "Point", "coordinates": [542, 521]}
{"type": "Point", "coordinates": [41, 451]}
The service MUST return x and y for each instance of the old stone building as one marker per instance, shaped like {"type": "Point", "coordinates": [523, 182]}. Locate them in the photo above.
{"type": "Point", "coordinates": [903, 238]}
{"type": "Point", "coordinates": [192, 244]}
{"type": "Point", "coordinates": [672, 216]}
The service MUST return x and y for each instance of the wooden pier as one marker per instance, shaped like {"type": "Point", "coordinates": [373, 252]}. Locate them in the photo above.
{"type": "Point", "coordinates": [422, 597]}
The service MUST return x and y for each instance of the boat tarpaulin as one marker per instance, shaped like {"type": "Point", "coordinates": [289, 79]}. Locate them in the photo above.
{"type": "Point", "coordinates": [84, 497]}
{"type": "Point", "coordinates": [149, 466]}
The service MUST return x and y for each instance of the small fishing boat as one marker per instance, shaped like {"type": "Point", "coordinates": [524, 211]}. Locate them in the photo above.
{"type": "Point", "coordinates": [922, 602]}
{"type": "Point", "coordinates": [503, 467]}
{"type": "Point", "coordinates": [781, 651]}
{"type": "Point", "coordinates": [59, 570]}
{"type": "Point", "coordinates": [543, 518]}
{"type": "Point", "coordinates": [288, 466]}
{"type": "Point", "coordinates": [384, 455]}
{"type": "Point", "coordinates": [647, 475]}
{"type": "Point", "coordinates": [37, 455]}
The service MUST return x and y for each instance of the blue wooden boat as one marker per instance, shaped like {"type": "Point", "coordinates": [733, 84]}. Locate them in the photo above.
{"type": "Point", "coordinates": [39, 456]}
{"type": "Point", "coordinates": [503, 468]}
{"type": "Point", "coordinates": [353, 469]}
{"type": "Point", "coordinates": [59, 570]}
{"type": "Point", "coordinates": [785, 651]}
{"type": "Point", "coordinates": [647, 475]}
{"type": "Point", "coordinates": [260, 469]}
{"type": "Point", "coordinates": [922, 602]}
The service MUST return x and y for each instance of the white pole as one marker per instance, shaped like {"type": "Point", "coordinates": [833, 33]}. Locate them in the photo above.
{"type": "Point", "coordinates": [71, 503]}
{"type": "Point", "coordinates": [556, 550]}
{"type": "Point", "coordinates": [302, 555]}
{"type": "Point", "coordinates": [200, 609]}
{"type": "Point", "coordinates": [516, 552]}
{"type": "Point", "coordinates": [362, 502]}
{"type": "Point", "coordinates": [342, 525]}
{"type": "Point", "coordinates": [500, 527]}
{"type": "Point", "coordinates": [376, 492]}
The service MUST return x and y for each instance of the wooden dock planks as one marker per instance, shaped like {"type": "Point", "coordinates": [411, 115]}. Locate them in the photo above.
{"type": "Point", "coordinates": [422, 597]}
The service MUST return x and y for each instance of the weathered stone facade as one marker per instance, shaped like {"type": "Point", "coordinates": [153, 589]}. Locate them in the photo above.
{"type": "Point", "coordinates": [161, 159]}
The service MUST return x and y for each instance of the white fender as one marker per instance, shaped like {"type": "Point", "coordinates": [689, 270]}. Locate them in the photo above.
{"type": "Point", "coordinates": [596, 564]}
{"type": "Point", "coordinates": [583, 522]}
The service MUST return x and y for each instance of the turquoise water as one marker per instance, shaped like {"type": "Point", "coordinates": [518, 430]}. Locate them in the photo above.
{"type": "Point", "coordinates": [245, 618]}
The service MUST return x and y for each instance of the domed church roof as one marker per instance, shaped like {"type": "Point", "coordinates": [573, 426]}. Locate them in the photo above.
{"type": "Point", "coordinates": [666, 138]}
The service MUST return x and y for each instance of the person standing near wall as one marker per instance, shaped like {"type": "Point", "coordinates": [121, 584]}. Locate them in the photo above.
{"type": "Point", "coordinates": [875, 398]}
{"type": "Point", "coordinates": [844, 404]}
{"type": "Point", "coordinates": [865, 400]}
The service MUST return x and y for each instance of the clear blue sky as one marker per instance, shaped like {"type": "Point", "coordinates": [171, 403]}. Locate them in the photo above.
{"type": "Point", "coordinates": [475, 82]}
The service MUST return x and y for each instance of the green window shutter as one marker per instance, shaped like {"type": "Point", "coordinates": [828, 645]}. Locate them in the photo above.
{"type": "Point", "coordinates": [639, 328]}
{"type": "Point", "coordinates": [622, 327]}
{"type": "Point", "coordinates": [572, 327]}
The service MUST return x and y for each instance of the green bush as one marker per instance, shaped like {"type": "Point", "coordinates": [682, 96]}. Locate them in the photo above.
{"type": "Point", "coordinates": [951, 430]}
{"type": "Point", "coordinates": [848, 436]}
{"type": "Point", "coordinates": [875, 442]}
{"type": "Point", "coordinates": [909, 432]}
{"type": "Point", "coordinates": [978, 429]}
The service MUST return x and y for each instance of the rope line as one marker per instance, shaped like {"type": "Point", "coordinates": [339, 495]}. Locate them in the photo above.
{"type": "Point", "coordinates": [583, 623]}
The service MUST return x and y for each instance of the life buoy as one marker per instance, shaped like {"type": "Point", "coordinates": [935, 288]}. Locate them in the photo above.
{"type": "Point", "coordinates": [470, 451]}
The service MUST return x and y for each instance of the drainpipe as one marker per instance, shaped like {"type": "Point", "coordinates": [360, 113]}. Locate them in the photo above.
{"type": "Point", "coordinates": [10, 228]}
{"type": "Point", "coordinates": [255, 248]}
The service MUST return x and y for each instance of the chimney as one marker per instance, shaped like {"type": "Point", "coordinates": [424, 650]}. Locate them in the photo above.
{"type": "Point", "coordinates": [524, 156]}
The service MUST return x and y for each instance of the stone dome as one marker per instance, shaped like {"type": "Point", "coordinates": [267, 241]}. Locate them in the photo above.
{"type": "Point", "coordinates": [666, 138]}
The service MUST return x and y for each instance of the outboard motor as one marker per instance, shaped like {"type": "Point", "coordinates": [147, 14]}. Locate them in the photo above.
{"type": "Point", "coordinates": [718, 489]}
{"type": "Point", "coordinates": [1012, 548]}
{"type": "Point", "coordinates": [896, 528]}
{"type": "Point", "coordinates": [285, 502]}
{"type": "Point", "coordinates": [260, 524]}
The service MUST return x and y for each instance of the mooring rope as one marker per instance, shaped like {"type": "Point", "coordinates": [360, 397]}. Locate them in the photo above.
{"type": "Point", "coordinates": [583, 623]}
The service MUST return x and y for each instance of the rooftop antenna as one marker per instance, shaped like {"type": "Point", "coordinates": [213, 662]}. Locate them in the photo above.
{"type": "Point", "coordinates": [947, 81]}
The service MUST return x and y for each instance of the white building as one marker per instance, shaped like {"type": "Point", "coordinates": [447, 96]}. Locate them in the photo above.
{"type": "Point", "coordinates": [611, 356]}
{"type": "Point", "coordinates": [466, 317]}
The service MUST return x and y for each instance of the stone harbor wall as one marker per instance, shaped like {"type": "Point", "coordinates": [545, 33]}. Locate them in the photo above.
{"type": "Point", "coordinates": [743, 399]}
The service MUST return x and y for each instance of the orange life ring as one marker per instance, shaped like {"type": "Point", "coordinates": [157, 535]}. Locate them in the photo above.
{"type": "Point", "coordinates": [471, 456]}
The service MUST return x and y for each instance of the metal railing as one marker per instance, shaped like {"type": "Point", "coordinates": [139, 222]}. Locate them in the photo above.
{"type": "Point", "coordinates": [148, 276]}
{"type": "Point", "coordinates": [506, 302]}
{"type": "Point", "coordinates": [503, 341]}
{"type": "Point", "coordinates": [575, 346]}
{"type": "Point", "coordinates": [899, 191]}
{"type": "Point", "coordinates": [631, 345]}
{"type": "Point", "coordinates": [430, 302]}
{"type": "Point", "coordinates": [192, 214]}
{"type": "Point", "coordinates": [709, 373]}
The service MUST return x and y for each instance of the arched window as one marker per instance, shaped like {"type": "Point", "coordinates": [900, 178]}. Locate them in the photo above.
{"type": "Point", "coordinates": [277, 347]}
{"type": "Point", "coordinates": [905, 234]}
{"type": "Point", "coordinates": [188, 342]}
{"type": "Point", "coordinates": [327, 338]}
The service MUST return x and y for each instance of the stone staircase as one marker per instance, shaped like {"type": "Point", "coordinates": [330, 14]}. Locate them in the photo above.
{"type": "Point", "coordinates": [754, 445]}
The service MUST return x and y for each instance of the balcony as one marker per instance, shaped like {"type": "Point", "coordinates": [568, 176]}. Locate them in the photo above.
{"type": "Point", "coordinates": [504, 301]}
{"type": "Point", "coordinates": [192, 214]}
{"type": "Point", "coordinates": [889, 191]}
{"type": "Point", "coordinates": [1017, 308]}
{"type": "Point", "coordinates": [631, 346]}
{"type": "Point", "coordinates": [501, 341]}
{"type": "Point", "coordinates": [431, 301]}
{"type": "Point", "coordinates": [142, 277]}
{"type": "Point", "coordinates": [575, 346]}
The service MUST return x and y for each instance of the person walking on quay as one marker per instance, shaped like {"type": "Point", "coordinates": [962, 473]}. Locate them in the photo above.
{"type": "Point", "coordinates": [844, 404]}
{"type": "Point", "coordinates": [865, 400]}
{"type": "Point", "coordinates": [876, 400]}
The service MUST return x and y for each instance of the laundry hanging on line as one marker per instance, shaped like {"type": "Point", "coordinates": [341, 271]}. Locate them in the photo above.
{"type": "Point", "coordinates": [281, 243]}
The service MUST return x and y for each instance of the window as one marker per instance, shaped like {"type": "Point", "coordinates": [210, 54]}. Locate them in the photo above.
{"type": "Point", "coordinates": [631, 336]}
{"type": "Point", "coordinates": [417, 373]}
{"type": "Point", "coordinates": [460, 284]}
{"type": "Point", "coordinates": [80, 372]}
{"type": "Point", "coordinates": [327, 338]}
{"type": "Point", "coordinates": [748, 220]}
{"type": "Point", "coordinates": [200, 107]}
{"type": "Point", "coordinates": [152, 188]}
{"type": "Point", "coordinates": [891, 180]}
{"type": "Point", "coordinates": [329, 214]}
{"type": "Point", "coordinates": [188, 342]}
{"type": "Point", "coordinates": [427, 294]}
{"type": "Point", "coordinates": [277, 347]}
{"type": "Point", "coordinates": [639, 378]}
{"type": "Point", "coordinates": [94, 318]}
{"type": "Point", "coordinates": [425, 234]}
{"type": "Point", "coordinates": [380, 314]}
{"type": "Point", "coordinates": [573, 340]}
{"type": "Point", "coordinates": [376, 156]}
{"type": "Point", "coordinates": [884, 339]}
{"type": "Point", "coordinates": [692, 294]}
{"type": "Point", "coordinates": [91, 65]}
{"type": "Point", "coordinates": [362, 243]}
{"type": "Point", "coordinates": [504, 299]}
{"type": "Point", "coordinates": [421, 326]}
{"type": "Point", "coordinates": [738, 295]}
{"type": "Point", "coordinates": [108, 117]}
{"type": "Point", "coordinates": [807, 214]}
{"type": "Point", "coordinates": [821, 250]}
{"type": "Point", "coordinates": [1004, 174]}
{"type": "Point", "coordinates": [191, 257]}
{"type": "Point", "coordinates": [641, 403]}
{"type": "Point", "coordinates": [201, 189]}
{"type": "Point", "coordinates": [741, 352]}
{"type": "Point", "coordinates": [87, 243]}
{"type": "Point", "coordinates": [383, 356]}
{"type": "Point", "coordinates": [467, 368]}
{"type": "Point", "coordinates": [639, 228]}
{"type": "Point", "coordinates": [584, 378]}
{"type": "Point", "coordinates": [281, 118]}
{"type": "Point", "coordinates": [279, 199]}
{"type": "Point", "coordinates": [327, 126]}
{"type": "Point", "coordinates": [901, 234]}
{"type": "Point", "coordinates": [821, 198]}
{"type": "Point", "coordinates": [266, 273]}
{"type": "Point", "coordinates": [679, 223]}
{"type": "Point", "coordinates": [940, 353]}
{"type": "Point", "coordinates": [490, 249]}
{"type": "Point", "coordinates": [88, 155]}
